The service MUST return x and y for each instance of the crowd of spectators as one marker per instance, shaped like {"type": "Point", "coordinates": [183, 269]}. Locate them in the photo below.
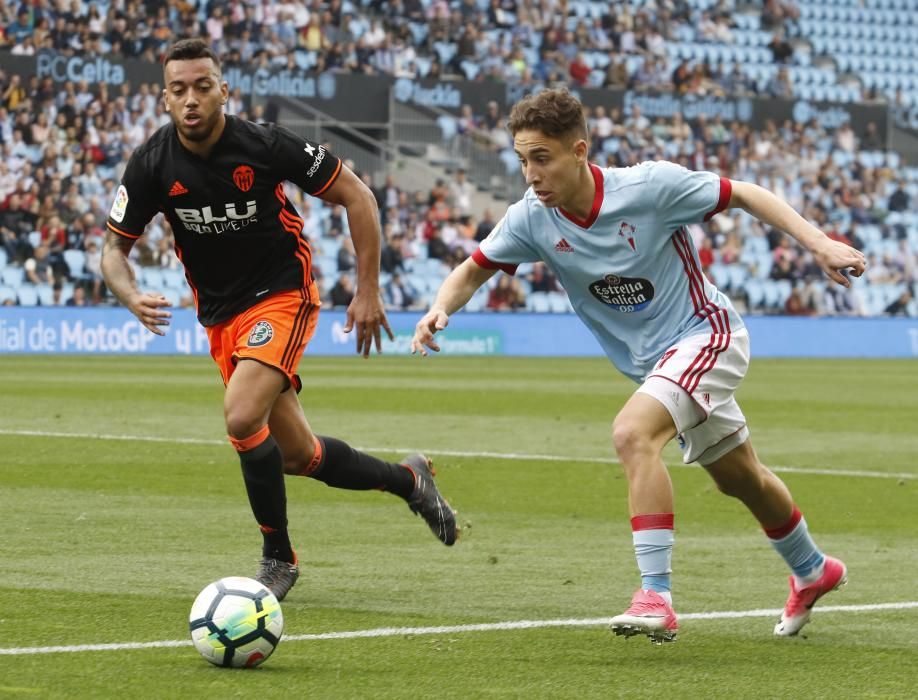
{"type": "Point", "coordinates": [65, 145]}
{"type": "Point", "coordinates": [524, 41]}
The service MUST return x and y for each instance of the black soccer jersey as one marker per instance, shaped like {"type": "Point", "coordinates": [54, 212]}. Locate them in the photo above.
{"type": "Point", "coordinates": [237, 235]}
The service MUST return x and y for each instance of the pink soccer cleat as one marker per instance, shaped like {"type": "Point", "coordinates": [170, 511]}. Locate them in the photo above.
{"type": "Point", "coordinates": [800, 602]}
{"type": "Point", "coordinates": [649, 614]}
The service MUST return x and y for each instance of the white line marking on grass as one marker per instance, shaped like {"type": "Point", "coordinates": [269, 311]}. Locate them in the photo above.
{"type": "Point", "coordinates": [452, 453]}
{"type": "Point", "coordinates": [454, 629]}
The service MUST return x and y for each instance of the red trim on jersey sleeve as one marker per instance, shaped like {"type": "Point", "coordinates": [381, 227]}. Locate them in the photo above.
{"type": "Point", "coordinates": [132, 236]}
{"type": "Point", "coordinates": [726, 189]}
{"type": "Point", "coordinates": [331, 180]}
{"type": "Point", "coordinates": [483, 261]}
{"type": "Point", "coordinates": [597, 201]}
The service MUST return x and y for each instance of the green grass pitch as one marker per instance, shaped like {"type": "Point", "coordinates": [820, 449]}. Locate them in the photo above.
{"type": "Point", "coordinates": [107, 541]}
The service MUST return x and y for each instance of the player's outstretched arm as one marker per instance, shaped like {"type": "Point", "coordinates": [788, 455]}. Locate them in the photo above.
{"type": "Point", "coordinates": [454, 293]}
{"type": "Point", "coordinates": [148, 307]}
{"type": "Point", "coordinates": [366, 312]}
{"type": "Point", "coordinates": [832, 256]}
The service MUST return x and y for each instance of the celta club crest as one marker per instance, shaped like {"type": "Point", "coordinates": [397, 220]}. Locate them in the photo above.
{"type": "Point", "coordinates": [261, 334]}
{"type": "Point", "coordinates": [244, 177]}
{"type": "Point", "coordinates": [626, 231]}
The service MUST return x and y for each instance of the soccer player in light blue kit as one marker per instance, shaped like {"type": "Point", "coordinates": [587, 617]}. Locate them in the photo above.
{"type": "Point", "coordinates": [616, 239]}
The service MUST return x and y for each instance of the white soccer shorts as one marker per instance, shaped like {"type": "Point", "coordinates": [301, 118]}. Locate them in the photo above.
{"type": "Point", "coordinates": [695, 380]}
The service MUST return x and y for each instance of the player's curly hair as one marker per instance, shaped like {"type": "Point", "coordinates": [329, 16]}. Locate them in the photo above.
{"type": "Point", "coordinates": [190, 49]}
{"type": "Point", "coordinates": [556, 113]}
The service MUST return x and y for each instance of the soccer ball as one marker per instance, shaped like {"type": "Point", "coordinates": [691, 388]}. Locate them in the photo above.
{"type": "Point", "coordinates": [236, 622]}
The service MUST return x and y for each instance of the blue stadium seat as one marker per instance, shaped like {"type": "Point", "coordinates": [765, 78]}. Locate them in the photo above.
{"type": "Point", "coordinates": [152, 278]}
{"type": "Point", "coordinates": [538, 302]}
{"type": "Point", "coordinates": [12, 276]}
{"type": "Point", "coordinates": [7, 293]}
{"type": "Point", "coordinates": [76, 262]}
{"type": "Point", "coordinates": [28, 295]}
{"type": "Point", "coordinates": [46, 294]}
{"type": "Point", "coordinates": [174, 279]}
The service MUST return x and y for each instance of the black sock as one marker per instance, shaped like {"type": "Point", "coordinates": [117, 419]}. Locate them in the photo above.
{"type": "Point", "coordinates": [343, 467]}
{"type": "Point", "coordinates": [263, 472]}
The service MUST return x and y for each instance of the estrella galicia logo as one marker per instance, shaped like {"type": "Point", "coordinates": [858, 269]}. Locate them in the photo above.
{"type": "Point", "coordinates": [625, 294]}
{"type": "Point", "coordinates": [261, 334]}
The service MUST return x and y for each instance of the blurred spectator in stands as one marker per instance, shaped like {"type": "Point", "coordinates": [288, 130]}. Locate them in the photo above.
{"type": "Point", "coordinates": [780, 85]}
{"type": "Point", "coordinates": [736, 82]}
{"type": "Point", "coordinates": [342, 294]}
{"type": "Point", "coordinates": [78, 297]}
{"type": "Point", "coordinates": [845, 138]}
{"type": "Point", "coordinates": [899, 200]}
{"type": "Point", "coordinates": [392, 258]}
{"type": "Point", "coordinates": [436, 246]}
{"type": "Point", "coordinates": [467, 122]}
{"type": "Point", "coordinates": [347, 257]}
{"type": "Point", "coordinates": [541, 279]}
{"type": "Point", "coordinates": [796, 305]}
{"type": "Point", "coordinates": [398, 294]}
{"type": "Point", "coordinates": [579, 70]}
{"type": "Point", "coordinates": [616, 74]}
{"type": "Point", "coordinates": [900, 305]}
{"type": "Point", "coordinates": [681, 78]}
{"type": "Point", "coordinates": [485, 226]}
{"type": "Point", "coordinates": [871, 140]}
{"type": "Point", "coordinates": [781, 49]}
{"type": "Point", "coordinates": [336, 224]}
{"type": "Point", "coordinates": [460, 193]}
{"type": "Point", "coordinates": [505, 296]}
{"type": "Point", "coordinates": [38, 269]}
{"type": "Point", "coordinates": [706, 257]}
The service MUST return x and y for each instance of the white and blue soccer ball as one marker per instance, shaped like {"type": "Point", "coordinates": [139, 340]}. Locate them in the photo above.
{"type": "Point", "coordinates": [236, 622]}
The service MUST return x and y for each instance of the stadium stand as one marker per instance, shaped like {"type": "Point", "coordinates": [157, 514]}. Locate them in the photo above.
{"type": "Point", "coordinates": [64, 144]}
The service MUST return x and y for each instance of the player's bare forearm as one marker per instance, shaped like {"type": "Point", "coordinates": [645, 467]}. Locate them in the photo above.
{"type": "Point", "coordinates": [116, 270]}
{"type": "Point", "coordinates": [454, 293]}
{"type": "Point", "coordinates": [460, 285]}
{"type": "Point", "coordinates": [119, 278]}
{"type": "Point", "coordinates": [366, 311]}
{"type": "Point", "coordinates": [832, 256]}
{"type": "Point", "coordinates": [774, 211]}
{"type": "Point", "coordinates": [363, 220]}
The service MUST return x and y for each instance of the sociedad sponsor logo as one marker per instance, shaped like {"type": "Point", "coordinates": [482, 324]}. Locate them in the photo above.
{"type": "Point", "coordinates": [625, 294]}
{"type": "Point", "coordinates": [319, 157]}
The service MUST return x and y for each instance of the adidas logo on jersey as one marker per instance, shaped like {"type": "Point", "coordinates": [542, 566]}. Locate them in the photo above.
{"type": "Point", "coordinates": [177, 189]}
{"type": "Point", "coordinates": [563, 246]}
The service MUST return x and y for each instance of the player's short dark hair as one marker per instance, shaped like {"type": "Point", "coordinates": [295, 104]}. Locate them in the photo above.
{"type": "Point", "coordinates": [189, 50]}
{"type": "Point", "coordinates": [556, 113]}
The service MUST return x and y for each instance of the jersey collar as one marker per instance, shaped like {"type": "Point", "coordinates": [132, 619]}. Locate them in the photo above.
{"type": "Point", "coordinates": [597, 201]}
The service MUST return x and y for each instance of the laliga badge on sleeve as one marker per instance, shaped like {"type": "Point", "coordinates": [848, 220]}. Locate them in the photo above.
{"type": "Point", "coordinates": [120, 206]}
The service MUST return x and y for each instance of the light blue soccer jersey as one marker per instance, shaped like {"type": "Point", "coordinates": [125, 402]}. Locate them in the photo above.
{"type": "Point", "coordinates": [631, 270]}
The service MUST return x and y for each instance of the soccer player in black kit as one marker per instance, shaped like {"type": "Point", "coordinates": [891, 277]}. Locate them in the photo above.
{"type": "Point", "coordinates": [219, 181]}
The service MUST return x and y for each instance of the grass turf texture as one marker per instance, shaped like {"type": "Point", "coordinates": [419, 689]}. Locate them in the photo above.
{"type": "Point", "coordinates": [109, 541]}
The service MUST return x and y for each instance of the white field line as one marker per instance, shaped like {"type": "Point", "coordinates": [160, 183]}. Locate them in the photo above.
{"type": "Point", "coordinates": [455, 629]}
{"type": "Point", "coordinates": [453, 453]}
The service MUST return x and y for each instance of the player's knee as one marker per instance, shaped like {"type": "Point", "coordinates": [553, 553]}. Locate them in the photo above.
{"type": "Point", "coordinates": [241, 423]}
{"type": "Point", "coordinates": [629, 440]}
